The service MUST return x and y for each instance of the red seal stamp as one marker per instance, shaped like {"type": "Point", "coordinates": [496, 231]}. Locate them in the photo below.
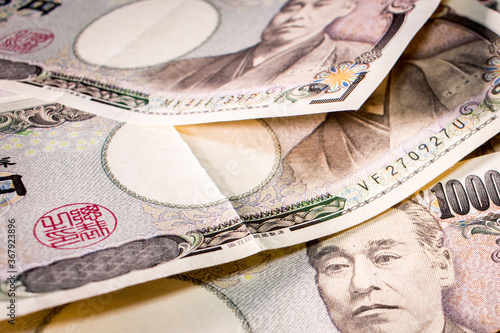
{"type": "Point", "coordinates": [75, 226]}
{"type": "Point", "coordinates": [25, 41]}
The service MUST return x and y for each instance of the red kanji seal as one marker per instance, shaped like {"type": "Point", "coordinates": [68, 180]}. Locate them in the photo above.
{"type": "Point", "coordinates": [75, 226]}
{"type": "Point", "coordinates": [25, 41]}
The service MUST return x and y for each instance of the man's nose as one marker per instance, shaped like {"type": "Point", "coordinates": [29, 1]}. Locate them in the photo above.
{"type": "Point", "coordinates": [364, 278]}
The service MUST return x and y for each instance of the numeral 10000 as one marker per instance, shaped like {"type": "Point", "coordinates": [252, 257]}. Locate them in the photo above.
{"type": "Point", "coordinates": [475, 193]}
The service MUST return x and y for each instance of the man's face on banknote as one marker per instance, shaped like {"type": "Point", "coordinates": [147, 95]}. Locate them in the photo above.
{"type": "Point", "coordinates": [301, 19]}
{"type": "Point", "coordinates": [378, 278]}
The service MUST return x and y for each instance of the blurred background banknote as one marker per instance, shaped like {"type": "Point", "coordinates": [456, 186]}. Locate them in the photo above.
{"type": "Point", "coordinates": [432, 262]}
{"type": "Point", "coordinates": [95, 205]}
{"type": "Point", "coordinates": [194, 61]}
{"type": "Point", "coordinates": [493, 4]}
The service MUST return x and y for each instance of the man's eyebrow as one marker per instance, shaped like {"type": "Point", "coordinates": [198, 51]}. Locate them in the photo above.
{"type": "Point", "coordinates": [327, 250]}
{"type": "Point", "coordinates": [293, 3]}
{"type": "Point", "coordinates": [384, 243]}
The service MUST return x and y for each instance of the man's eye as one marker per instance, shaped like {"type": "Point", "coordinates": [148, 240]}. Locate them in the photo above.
{"type": "Point", "coordinates": [334, 269]}
{"type": "Point", "coordinates": [291, 8]}
{"type": "Point", "coordinates": [385, 258]}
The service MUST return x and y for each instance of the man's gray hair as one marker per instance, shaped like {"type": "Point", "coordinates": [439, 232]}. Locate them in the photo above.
{"type": "Point", "coordinates": [429, 231]}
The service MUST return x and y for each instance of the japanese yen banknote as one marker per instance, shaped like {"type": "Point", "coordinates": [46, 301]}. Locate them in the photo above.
{"type": "Point", "coordinates": [194, 61]}
{"type": "Point", "coordinates": [91, 205]}
{"type": "Point", "coordinates": [430, 264]}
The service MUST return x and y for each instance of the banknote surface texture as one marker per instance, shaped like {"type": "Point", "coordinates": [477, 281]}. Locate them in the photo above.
{"type": "Point", "coordinates": [193, 61]}
{"type": "Point", "coordinates": [419, 258]}
{"type": "Point", "coordinates": [96, 205]}
{"type": "Point", "coordinates": [306, 285]}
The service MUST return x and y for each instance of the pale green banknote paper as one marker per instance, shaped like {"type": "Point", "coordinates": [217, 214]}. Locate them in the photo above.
{"type": "Point", "coordinates": [427, 265]}
{"type": "Point", "coordinates": [91, 205]}
{"type": "Point", "coordinates": [193, 61]}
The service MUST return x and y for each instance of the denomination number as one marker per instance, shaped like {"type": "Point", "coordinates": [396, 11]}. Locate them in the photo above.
{"type": "Point", "coordinates": [454, 196]}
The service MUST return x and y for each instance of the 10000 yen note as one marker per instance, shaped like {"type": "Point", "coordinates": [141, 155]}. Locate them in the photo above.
{"type": "Point", "coordinates": [94, 205]}
{"type": "Point", "coordinates": [193, 61]}
{"type": "Point", "coordinates": [429, 264]}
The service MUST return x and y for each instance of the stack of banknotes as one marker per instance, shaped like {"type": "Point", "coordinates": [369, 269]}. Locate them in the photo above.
{"type": "Point", "coordinates": [250, 166]}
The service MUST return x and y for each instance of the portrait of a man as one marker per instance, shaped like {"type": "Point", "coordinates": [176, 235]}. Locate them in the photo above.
{"type": "Point", "coordinates": [433, 76]}
{"type": "Point", "coordinates": [293, 46]}
{"type": "Point", "coordinates": [386, 275]}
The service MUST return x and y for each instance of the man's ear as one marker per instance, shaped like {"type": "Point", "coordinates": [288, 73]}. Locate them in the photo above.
{"type": "Point", "coordinates": [444, 268]}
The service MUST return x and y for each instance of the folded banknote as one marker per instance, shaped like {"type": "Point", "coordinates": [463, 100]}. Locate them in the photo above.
{"type": "Point", "coordinates": [95, 205]}
{"type": "Point", "coordinates": [429, 264]}
{"type": "Point", "coordinates": [193, 61]}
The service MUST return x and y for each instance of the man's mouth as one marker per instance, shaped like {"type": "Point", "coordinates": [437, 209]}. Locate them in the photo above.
{"type": "Point", "coordinates": [362, 310]}
{"type": "Point", "coordinates": [289, 26]}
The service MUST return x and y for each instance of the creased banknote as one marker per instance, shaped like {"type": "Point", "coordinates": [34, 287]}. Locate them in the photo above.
{"type": "Point", "coordinates": [91, 205]}
{"type": "Point", "coordinates": [429, 264]}
{"type": "Point", "coordinates": [194, 61]}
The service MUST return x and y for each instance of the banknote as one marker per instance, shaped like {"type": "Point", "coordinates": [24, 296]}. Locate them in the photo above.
{"type": "Point", "coordinates": [425, 265]}
{"type": "Point", "coordinates": [195, 61]}
{"type": "Point", "coordinates": [94, 205]}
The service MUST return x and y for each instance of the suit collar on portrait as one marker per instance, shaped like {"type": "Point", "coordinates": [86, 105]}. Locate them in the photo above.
{"type": "Point", "coordinates": [294, 66]}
